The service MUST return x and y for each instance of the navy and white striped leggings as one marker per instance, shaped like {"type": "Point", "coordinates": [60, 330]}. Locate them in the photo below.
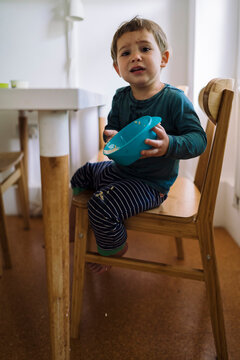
{"type": "Point", "coordinates": [115, 199]}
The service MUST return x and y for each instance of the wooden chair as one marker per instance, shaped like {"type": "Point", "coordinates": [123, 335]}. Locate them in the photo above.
{"type": "Point", "coordinates": [187, 213]}
{"type": "Point", "coordinates": [8, 161]}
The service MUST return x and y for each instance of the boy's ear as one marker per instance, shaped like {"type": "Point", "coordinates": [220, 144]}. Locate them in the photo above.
{"type": "Point", "coordinates": [115, 65]}
{"type": "Point", "coordinates": [165, 58]}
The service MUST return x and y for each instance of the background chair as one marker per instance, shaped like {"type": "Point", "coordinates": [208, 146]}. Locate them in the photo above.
{"type": "Point", "coordinates": [187, 213]}
{"type": "Point", "coordinates": [12, 161]}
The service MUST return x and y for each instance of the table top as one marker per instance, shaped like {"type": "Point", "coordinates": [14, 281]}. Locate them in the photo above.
{"type": "Point", "coordinates": [49, 99]}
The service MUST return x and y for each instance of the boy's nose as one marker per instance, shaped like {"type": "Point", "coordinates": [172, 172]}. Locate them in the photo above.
{"type": "Point", "coordinates": [136, 57]}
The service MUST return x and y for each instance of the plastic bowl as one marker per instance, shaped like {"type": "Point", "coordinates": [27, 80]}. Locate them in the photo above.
{"type": "Point", "coordinates": [126, 146]}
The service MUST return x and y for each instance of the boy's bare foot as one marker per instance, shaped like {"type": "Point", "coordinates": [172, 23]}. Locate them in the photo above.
{"type": "Point", "coordinates": [99, 268]}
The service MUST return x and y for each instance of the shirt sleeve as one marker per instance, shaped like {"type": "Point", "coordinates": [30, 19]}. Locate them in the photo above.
{"type": "Point", "coordinates": [188, 139]}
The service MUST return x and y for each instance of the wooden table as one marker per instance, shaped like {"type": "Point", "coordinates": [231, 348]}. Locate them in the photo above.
{"type": "Point", "coordinates": [52, 106]}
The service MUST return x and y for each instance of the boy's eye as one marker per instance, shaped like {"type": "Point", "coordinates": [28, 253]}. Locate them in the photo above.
{"type": "Point", "coordinates": [125, 53]}
{"type": "Point", "coordinates": [146, 49]}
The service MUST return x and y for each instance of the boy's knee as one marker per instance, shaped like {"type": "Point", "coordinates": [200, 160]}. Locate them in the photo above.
{"type": "Point", "coordinates": [97, 200]}
{"type": "Point", "coordinates": [97, 206]}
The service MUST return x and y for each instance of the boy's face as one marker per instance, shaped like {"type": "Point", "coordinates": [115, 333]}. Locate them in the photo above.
{"type": "Point", "coordinates": [139, 60]}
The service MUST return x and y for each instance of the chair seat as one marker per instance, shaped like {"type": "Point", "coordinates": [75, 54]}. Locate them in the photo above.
{"type": "Point", "coordinates": [182, 202]}
{"type": "Point", "coordinates": [9, 159]}
{"type": "Point", "coordinates": [175, 217]}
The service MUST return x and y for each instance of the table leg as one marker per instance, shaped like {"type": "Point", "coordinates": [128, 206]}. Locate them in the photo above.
{"type": "Point", "coordinates": [23, 134]}
{"type": "Point", "coordinates": [54, 149]}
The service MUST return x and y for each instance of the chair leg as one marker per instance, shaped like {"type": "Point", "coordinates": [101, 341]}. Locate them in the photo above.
{"type": "Point", "coordinates": [3, 237]}
{"type": "Point", "coordinates": [206, 239]}
{"type": "Point", "coordinates": [80, 247]}
{"type": "Point", "coordinates": [23, 192]}
{"type": "Point", "coordinates": [179, 246]}
{"type": "Point", "coordinates": [1, 264]}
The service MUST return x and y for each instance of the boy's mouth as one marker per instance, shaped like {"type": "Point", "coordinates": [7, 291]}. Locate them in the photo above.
{"type": "Point", "coordinates": [136, 69]}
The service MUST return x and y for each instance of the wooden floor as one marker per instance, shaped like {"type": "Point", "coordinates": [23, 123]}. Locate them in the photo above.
{"type": "Point", "coordinates": [127, 315]}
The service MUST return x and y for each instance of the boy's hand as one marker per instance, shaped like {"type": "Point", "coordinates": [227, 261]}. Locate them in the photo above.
{"type": "Point", "coordinates": [110, 134]}
{"type": "Point", "coordinates": [160, 145]}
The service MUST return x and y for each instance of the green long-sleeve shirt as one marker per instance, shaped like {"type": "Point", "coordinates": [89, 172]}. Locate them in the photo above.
{"type": "Point", "coordinates": [187, 138]}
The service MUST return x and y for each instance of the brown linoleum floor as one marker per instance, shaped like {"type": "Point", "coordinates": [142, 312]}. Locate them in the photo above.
{"type": "Point", "coordinates": [127, 315]}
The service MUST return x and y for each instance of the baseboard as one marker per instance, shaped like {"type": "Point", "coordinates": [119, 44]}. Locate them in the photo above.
{"type": "Point", "coordinates": [12, 205]}
{"type": "Point", "coordinates": [226, 214]}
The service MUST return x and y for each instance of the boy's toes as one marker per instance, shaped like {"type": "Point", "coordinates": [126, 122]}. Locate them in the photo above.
{"type": "Point", "coordinates": [99, 268]}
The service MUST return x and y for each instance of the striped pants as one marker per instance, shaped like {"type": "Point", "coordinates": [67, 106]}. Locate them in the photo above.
{"type": "Point", "coordinates": [115, 199]}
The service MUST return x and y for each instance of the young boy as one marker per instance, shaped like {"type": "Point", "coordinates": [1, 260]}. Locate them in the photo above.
{"type": "Point", "coordinates": [139, 51]}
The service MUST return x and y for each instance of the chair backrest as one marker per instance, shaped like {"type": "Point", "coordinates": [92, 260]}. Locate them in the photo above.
{"type": "Point", "coordinates": [216, 102]}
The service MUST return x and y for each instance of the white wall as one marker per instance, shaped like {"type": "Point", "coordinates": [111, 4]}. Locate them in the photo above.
{"type": "Point", "coordinates": [32, 38]}
{"type": "Point", "coordinates": [216, 54]}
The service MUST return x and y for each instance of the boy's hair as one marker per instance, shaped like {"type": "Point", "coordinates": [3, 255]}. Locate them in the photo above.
{"type": "Point", "coordinates": [136, 24]}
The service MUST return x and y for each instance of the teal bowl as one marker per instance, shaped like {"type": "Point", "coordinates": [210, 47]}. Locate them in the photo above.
{"type": "Point", "coordinates": [126, 146]}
